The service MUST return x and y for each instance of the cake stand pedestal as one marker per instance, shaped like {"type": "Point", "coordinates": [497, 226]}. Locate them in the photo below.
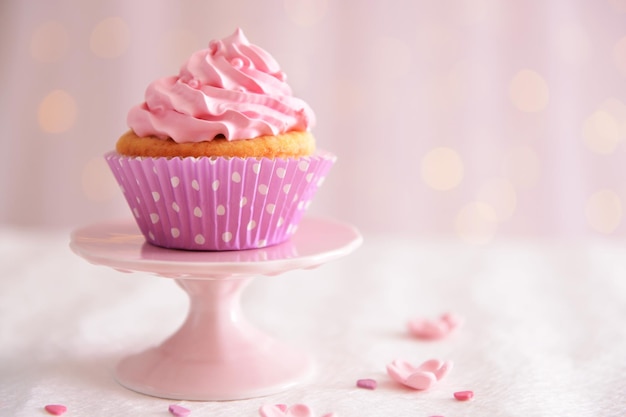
{"type": "Point", "coordinates": [216, 354]}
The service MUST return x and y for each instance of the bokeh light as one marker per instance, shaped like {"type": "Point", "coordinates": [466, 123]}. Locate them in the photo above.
{"type": "Point", "coordinates": [57, 112]}
{"type": "Point", "coordinates": [442, 169]}
{"type": "Point", "coordinates": [391, 57]}
{"type": "Point", "coordinates": [529, 91]}
{"type": "Point", "coordinates": [601, 132]}
{"type": "Point", "coordinates": [617, 109]}
{"type": "Point", "coordinates": [49, 42]}
{"type": "Point", "coordinates": [571, 43]}
{"type": "Point", "coordinates": [97, 181]}
{"type": "Point", "coordinates": [522, 166]}
{"type": "Point", "coordinates": [500, 195]}
{"type": "Point", "coordinates": [476, 223]}
{"type": "Point", "coordinates": [305, 12]}
{"type": "Point", "coordinates": [604, 211]}
{"type": "Point", "coordinates": [619, 55]}
{"type": "Point", "coordinates": [110, 38]}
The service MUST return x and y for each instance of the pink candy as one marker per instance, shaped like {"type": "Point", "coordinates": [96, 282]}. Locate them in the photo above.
{"type": "Point", "coordinates": [282, 410]}
{"type": "Point", "coordinates": [434, 329]}
{"type": "Point", "coordinates": [420, 377]}
{"type": "Point", "coordinates": [366, 383]}
{"type": "Point", "coordinates": [179, 411]}
{"type": "Point", "coordinates": [464, 395]}
{"type": "Point", "coordinates": [55, 409]}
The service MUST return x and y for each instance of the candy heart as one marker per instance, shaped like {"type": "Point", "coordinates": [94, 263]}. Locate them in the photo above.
{"type": "Point", "coordinates": [434, 329]}
{"type": "Point", "coordinates": [464, 395]}
{"type": "Point", "coordinates": [281, 410]}
{"type": "Point", "coordinates": [178, 410]}
{"type": "Point", "coordinates": [55, 409]}
{"type": "Point", "coordinates": [366, 383]}
{"type": "Point", "coordinates": [420, 380]}
{"type": "Point", "coordinates": [420, 377]}
{"type": "Point", "coordinates": [437, 367]}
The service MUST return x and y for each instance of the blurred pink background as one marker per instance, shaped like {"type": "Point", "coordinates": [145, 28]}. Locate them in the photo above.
{"type": "Point", "coordinates": [473, 119]}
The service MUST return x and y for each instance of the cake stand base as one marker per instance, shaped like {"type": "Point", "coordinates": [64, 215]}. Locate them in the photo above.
{"type": "Point", "coordinates": [216, 354]}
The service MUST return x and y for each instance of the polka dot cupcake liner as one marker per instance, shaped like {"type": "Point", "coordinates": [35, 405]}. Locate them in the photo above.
{"type": "Point", "coordinates": [218, 203]}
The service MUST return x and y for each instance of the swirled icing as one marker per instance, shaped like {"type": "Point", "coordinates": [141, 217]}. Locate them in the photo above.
{"type": "Point", "coordinates": [232, 89]}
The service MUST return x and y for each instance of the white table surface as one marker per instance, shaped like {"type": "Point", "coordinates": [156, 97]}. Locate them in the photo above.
{"type": "Point", "coordinates": [545, 329]}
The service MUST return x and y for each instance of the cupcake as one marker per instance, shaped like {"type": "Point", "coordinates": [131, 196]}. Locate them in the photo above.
{"type": "Point", "coordinates": [220, 156]}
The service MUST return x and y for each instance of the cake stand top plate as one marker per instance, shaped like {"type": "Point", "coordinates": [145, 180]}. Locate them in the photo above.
{"type": "Point", "coordinates": [119, 244]}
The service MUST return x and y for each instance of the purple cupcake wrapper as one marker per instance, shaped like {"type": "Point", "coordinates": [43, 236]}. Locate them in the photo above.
{"type": "Point", "coordinates": [218, 203]}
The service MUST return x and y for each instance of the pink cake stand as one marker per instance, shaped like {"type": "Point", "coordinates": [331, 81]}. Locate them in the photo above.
{"type": "Point", "coordinates": [216, 354]}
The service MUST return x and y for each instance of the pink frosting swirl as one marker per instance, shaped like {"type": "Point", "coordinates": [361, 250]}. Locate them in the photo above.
{"type": "Point", "coordinates": [232, 89]}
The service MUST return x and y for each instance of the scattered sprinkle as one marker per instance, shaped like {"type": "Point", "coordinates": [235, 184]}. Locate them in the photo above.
{"type": "Point", "coordinates": [420, 377]}
{"type": "Point", "coordinates": [179, 410]}
{"type": "Point", "coordinates": [428, 329]}
{"type": "Point", "coordinates": [55, 409]}
{"type": "Point", "coordinates": [464, 395]}
{"type": "Point", "coordinates": [296, 410]}
{"type": "Point", "coordinates": [282, 410]}
{"type": "Point", "coordinates": [366, 383]}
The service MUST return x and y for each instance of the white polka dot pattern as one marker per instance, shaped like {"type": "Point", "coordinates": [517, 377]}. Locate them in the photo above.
{"type": "Point", "coordinates": [218, 204]}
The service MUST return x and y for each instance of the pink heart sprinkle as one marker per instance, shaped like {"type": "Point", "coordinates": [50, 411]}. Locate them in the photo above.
{"type": "Point", "coordinates": [179, 411]}
{"type": "Point", "coordinates": [366, 383]}
{"type": "Point", "coordinates": [464, 395]}
{"type": "Point", "coordinates": [437, 367]}
{"type": "Point", "coordinates": [420, 377]}
{"type": "Point", "coordinates": [55, 409]}
{"type": "Point", "coordinates": [281, 410]}
{"type": "Point", "coordinates": [421, 380]}
{"type": "Point", "coordinates": [434, 329]}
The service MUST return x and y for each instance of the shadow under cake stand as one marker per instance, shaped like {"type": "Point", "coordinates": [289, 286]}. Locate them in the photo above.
{"type": "Point", "coordinates": [216, 354]}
